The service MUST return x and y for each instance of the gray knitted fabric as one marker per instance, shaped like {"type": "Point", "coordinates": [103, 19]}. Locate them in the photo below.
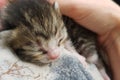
{"type": "Point", "coordinates": [69, 68]}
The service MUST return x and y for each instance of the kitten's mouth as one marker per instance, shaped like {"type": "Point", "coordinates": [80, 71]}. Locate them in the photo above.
{"type": "Point", "coordinates": [47, 58]}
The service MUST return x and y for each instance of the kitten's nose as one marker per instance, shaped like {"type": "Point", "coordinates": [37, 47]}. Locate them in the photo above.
{"type": "Point", "coordinates": [53, 54]}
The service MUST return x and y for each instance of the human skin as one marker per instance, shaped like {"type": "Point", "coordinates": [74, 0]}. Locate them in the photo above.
{"type": "Point", "coordinates": [2, 3]}
{"type": "Point", "coordinates": [101, 17]}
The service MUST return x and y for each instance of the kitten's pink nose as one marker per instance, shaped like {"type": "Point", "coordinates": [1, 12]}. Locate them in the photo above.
{"type": "Point", "coordinates": [53, 54]}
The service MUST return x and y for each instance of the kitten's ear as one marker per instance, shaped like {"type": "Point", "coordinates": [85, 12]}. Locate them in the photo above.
{"type": "Point", "coordinates": [6, 26]}
{"type": "Point", "coordinates": [56, 7]}
{"type": "Point", "coordinates": [4, 23]}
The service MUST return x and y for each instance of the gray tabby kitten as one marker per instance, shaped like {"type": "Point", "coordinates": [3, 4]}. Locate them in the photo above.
{"type": "Point", "coordinates": [38, 32]}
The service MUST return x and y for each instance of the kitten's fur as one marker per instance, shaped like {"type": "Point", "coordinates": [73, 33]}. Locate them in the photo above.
{"type": "Point", "coordinates": [36, 26]}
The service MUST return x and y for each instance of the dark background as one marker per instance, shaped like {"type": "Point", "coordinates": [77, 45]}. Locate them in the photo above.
{"type": "Point", "coordinates": [117, 1]}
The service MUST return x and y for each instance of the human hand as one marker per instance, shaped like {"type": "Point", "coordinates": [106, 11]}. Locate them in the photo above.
{"type": "Point", "coordinates": [96, 15]}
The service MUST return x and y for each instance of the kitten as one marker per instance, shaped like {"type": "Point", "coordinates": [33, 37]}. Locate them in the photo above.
{"type": "Point", "coordinates": [38, 32]}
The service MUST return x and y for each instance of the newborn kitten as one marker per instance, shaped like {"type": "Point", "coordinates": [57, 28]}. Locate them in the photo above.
{"type": "Point", "coordinates": [37, 30]}
{"type": "Point", "coordinates": [38, 33]}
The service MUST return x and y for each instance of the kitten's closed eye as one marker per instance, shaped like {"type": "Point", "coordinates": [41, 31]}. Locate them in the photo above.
{"type": "Point", "coordinates": [43, 51]}
{"type": "Point", "coordinates": [60, 41]}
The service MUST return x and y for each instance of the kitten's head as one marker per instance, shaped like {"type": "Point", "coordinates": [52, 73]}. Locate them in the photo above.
{"type": "Point", "coordinates": [37, 29]}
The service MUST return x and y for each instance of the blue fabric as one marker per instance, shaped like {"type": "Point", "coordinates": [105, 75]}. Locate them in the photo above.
{"type": "Point", "coordinates": [69, 68]}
